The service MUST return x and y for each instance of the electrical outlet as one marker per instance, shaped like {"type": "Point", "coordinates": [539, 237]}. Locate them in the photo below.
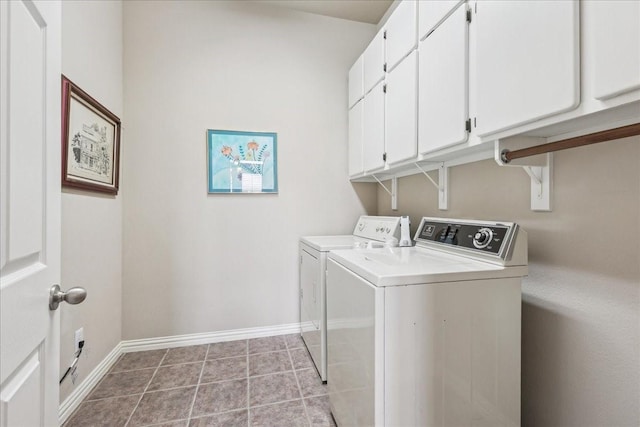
{"type": "Point", "coordinates": [79, 337]}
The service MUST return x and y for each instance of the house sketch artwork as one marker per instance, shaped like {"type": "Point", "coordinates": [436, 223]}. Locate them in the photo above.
{"type": "Point", "coordinates": [91, 144]}
{"type": "Point", "coordinates": [242, 162]}
{"type": "Point", "coordinates": [91, 152]}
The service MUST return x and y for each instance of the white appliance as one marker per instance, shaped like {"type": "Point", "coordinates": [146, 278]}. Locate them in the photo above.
{"type": "Point", "coordinates": [428, 335]}
{"type": "Point", "coordinates": [370, 231]}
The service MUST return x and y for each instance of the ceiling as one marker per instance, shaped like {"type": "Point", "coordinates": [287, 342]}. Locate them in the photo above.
{"type": "Point", "coordinates": [369, 11]}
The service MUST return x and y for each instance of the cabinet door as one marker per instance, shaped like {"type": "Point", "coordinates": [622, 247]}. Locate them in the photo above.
{"type": "Point", "coordinates": [527, 61]}
{"type": "Point", "coordinates": [402, 35]}
{"type": "Point", "coordinates": [355, 139]}
{"type": "Point", "coordinates": [374, 62]}
{"type": "Point", "coordinates": [443, 101]}
{"type": "Point", "coordinates": [373, 129]}
{"type": "Point", "coordinates": [431, 12]}
{"type": "Point", "coordinates": [401, 110]}
{"type": "Point", "coordinates": [356, 82]}
{"type": "Point", "coordinates": [616, 62]}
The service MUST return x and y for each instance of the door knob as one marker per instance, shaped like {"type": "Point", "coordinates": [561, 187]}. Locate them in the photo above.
{"type": "Point", "coordinates": [72, 296]}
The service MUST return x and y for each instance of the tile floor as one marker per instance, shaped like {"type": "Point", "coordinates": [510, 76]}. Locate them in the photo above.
{"type": "Point", "coordinates": [257, 382]}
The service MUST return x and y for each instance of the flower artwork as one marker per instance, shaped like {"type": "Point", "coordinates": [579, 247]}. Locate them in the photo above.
{"type": "Point", "coordinates": [242, 162]}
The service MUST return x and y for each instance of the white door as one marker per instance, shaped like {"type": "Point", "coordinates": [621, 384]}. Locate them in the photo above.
{"type": "Point", "coordinates": [443, 101]}
{"type": "Point", "coordinates": [29, 211]}
{"type": "Point", "coordinates": [431, 12]}
{"type": "Point", "coordinates": [356, 82]}
{"type": "Point", "coordinates": [373, 62]}
{"type": "Point", "coordinates": [616, 59]}
{"type": "Point", "coordinates": [402, 34]}
{"type": "Point", "coordinates": [355, 139]}
{"type": "Point", "coordinates": [373, 129]}
{"type": "Point", "coordinates": [528, 61]}
{"type": "Point", "coordinates": [401, 113]}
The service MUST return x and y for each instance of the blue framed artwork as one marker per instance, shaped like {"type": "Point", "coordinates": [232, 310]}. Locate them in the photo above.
{"type": "Point", "coordinates": [242, 162]}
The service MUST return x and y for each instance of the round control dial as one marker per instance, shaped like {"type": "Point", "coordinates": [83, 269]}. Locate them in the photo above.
{"type": "Point", "coordinates": [482, 238]}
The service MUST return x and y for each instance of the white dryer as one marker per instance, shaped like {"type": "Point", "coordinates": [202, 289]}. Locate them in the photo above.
{"type": "Point", "coordinates": [370, 231]}
{"type": "Point", "coordinates": [428, 335]}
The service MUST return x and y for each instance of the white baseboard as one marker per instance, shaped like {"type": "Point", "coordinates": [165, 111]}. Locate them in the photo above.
{"type": "Point", "coordinates": [72, 402]}
{"type": "Point", "coordinates": [208, 337]}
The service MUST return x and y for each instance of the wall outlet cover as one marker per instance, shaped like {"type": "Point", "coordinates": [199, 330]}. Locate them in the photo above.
{"type": "Point", "coordinates": [79, 336]}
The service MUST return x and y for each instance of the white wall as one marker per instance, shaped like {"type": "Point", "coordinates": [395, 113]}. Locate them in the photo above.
{"type": "Point", "coordinates": [201, 263]}
{"type": "Point", "coordinates": [92, 223]}
{"type": "Point", "coordinates": [581, 301]}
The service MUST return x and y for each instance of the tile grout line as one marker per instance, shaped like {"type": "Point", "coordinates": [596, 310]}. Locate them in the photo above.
{"type": "Point", "coordinates": [248, 390]}
{"type": "Point", "coordinates": [195, 395]}
{"type": "Point", "coordinates": [166, 351]}
{"type": "Point", "coordinates": [295, 374]}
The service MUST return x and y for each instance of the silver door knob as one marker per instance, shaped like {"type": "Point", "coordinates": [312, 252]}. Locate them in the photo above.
{"type": "Point", "coordinates": [72, 296]}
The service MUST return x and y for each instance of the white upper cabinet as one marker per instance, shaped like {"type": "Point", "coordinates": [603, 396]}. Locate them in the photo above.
{"type": "Point", "coordinates": [401, 110]}
{"type": "Point", "coordinates": [528, 63]}
{"type": "Point", "coordinates": [431, 12]}
{"type": "Point", "coordinates": [374, 62]}
{"type": "Point", "coordinates": [373, 129]}
{"type": "Point", "coordinates": [616, 57]}
{"type": "Point", "coordinates": [401, 30]}
{"type": "Point", "coordinates": [356, 82]}
{"type": "Point", "coordinates": [355, 139]}
{"type": "Point", "coordinates": [443, 102]}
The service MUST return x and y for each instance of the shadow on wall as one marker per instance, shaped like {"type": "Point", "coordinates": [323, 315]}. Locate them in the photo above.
{"type": "Point", "coordinates": [579, 358]}
{"type": "Point", "coordinates": [540, 347]}
{"type": "Point", "coordinates": [368, 195]}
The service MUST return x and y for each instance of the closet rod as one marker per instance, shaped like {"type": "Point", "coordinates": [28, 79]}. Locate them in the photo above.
{"type": "Point", "coordinates": [592, 138]}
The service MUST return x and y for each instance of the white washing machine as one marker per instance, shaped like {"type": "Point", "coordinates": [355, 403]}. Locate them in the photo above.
{"type": "Point", "coordinates": [369, 231]}
{"type": "Point", "coordinates": [428, 335]}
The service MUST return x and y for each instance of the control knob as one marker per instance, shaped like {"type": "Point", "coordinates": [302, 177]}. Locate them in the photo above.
{"type": "Point", "coordinates": [482, 238]}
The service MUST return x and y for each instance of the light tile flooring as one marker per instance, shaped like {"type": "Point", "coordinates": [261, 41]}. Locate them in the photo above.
{"type": "Point", "coordinates": [258, 382]}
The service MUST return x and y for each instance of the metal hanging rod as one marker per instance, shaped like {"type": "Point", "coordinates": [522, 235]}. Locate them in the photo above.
{"type": "Point", "coordinates": [592, 138]}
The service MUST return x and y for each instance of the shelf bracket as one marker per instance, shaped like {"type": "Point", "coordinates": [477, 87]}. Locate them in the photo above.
{"type": "Point", "coordinates": [393, 192]}
{"type": "Point", "coordinates": [442, 185]}
{"type": "Point", "coordinates": [538, 167]}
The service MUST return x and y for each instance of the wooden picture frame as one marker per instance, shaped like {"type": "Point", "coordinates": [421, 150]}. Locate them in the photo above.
{"type": "Point", "coordinates": [90, 142]}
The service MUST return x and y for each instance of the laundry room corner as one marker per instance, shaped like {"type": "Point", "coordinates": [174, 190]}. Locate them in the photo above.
{"type": "Point", "coordinates": [92, 222]}
{"type": "Point", "coordinates": [197, 262]}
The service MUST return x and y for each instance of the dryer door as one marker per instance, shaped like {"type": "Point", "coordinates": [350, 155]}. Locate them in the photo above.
{"type": "Point", "coordinates": [310, 271]}
{"type": "Point", "coordinates": [355, 347]}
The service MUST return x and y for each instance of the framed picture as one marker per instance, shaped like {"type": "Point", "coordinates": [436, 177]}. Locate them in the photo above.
{"type": "Point", "coordinates": [242, 162]}
{"type": "Point", "coordinates": [90, 142]}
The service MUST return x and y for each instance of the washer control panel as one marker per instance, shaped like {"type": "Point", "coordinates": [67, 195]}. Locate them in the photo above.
{"type": "Point", "coordinates": [379, 228]}
{"type": "Point", "coordinates": [478, 236]}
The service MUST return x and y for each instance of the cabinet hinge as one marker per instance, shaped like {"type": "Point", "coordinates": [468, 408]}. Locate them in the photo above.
{"type": "Point", "coordinates": [475, 123]}
{"type": "Point", "coordinates": [384, 34]}
{"type": "Point", "coordinates": [384, 67]}
{"type": "Point", "coordinates": [467, 125]}
{"type": "Point", "coordinates": [384, 157]}
{"type": "Point", "coordinates": [301, 294]}
{"type": "Point", "coordinates": [469, 15]}
{"type": "Point", "coordinates": [384, 87]}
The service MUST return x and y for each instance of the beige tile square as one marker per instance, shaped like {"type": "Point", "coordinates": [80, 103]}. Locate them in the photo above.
{"type": "Point", "coordinates": [273, 388]}
{"type": "Point", "coordinates": [224, 369]}
{"type": "Point", "coordinates": [269, 363]}
{"type": "Point", "coordinates": [162, 406]}
{"type": "Point", "coordinates": [220, 397]}
{"type": "Point", "coordinates": [122, 383]}
{"type": "Point", "coordinates": [176, 376]}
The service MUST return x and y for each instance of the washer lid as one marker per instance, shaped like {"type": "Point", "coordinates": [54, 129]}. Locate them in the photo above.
{"type": "Point", "coordinates": [411, 266]}
{"type": "Point", "coordinates": [327, 243]}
